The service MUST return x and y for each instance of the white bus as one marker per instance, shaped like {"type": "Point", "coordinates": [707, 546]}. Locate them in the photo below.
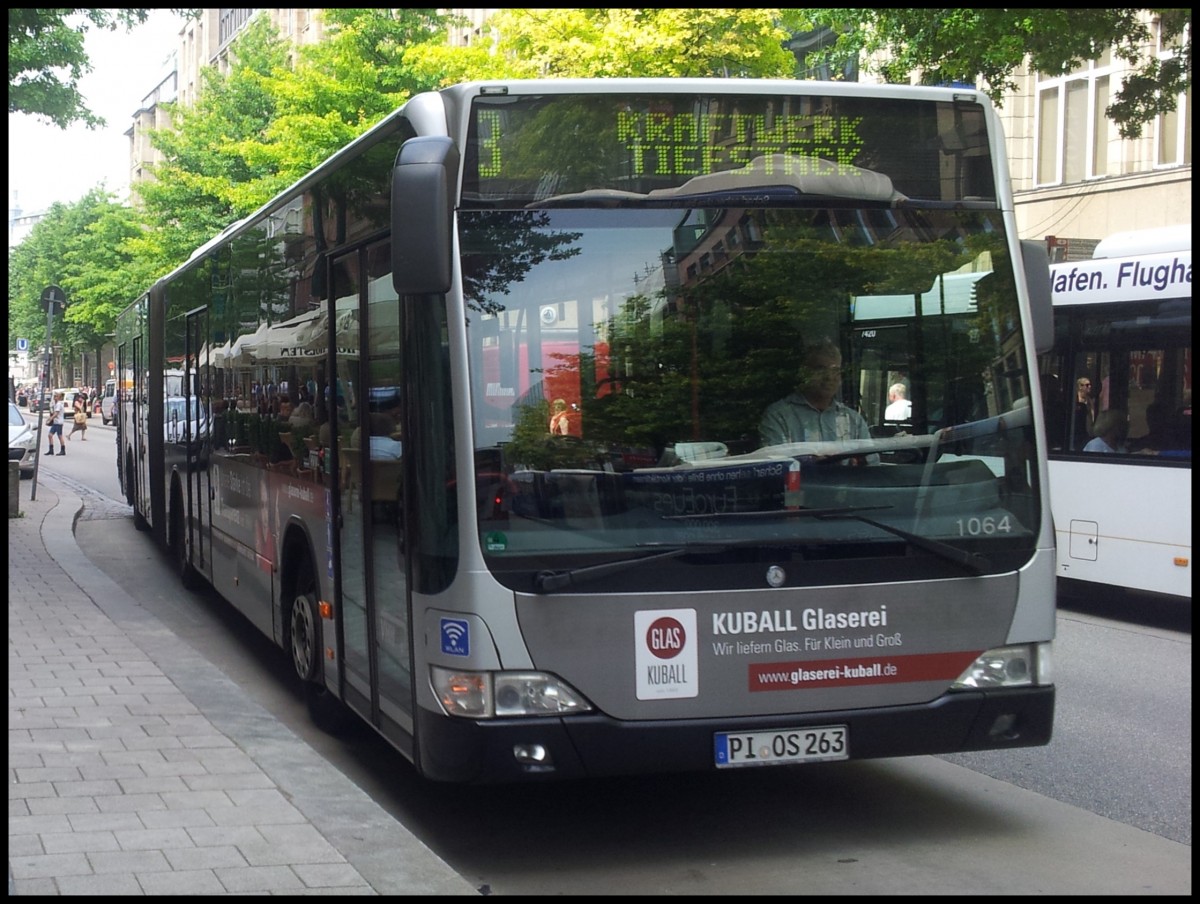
{"type": "Point", "coordinates": [651, 585]}
{"type": "Point", "coordinates": [1123, 338]}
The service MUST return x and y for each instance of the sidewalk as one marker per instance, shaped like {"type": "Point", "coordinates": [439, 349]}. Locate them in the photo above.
{"type": "Point", "coordinates": [137, 767]}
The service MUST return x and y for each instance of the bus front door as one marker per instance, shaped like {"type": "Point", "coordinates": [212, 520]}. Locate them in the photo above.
{"type": "Point", "coordinates": [366, 398]}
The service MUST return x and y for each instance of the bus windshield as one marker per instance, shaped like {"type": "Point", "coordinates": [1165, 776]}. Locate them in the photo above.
{"type": "Point", "coordinates": [642, 381]}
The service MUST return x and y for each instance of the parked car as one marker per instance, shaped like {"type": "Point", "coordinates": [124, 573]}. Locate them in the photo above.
{"type": "Point", "coordinates": [39, 401]}
{"type": "Point", "coordinates": [108, 402]}
{"type": "Point", "coordinates": [22, 441]}
{"type": "Point", "coordinates": [69, 394]}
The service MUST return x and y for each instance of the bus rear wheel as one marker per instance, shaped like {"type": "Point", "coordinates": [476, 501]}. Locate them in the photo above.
{"type": "Point", "coordinates": [139, 521]}
{"type": "Point", "coordinates": [188, 575]}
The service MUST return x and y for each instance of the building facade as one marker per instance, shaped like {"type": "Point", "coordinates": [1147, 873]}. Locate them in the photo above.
{"type": "Point", "coordinates": [1075, 179]}
{"type": "Point", "coordinates": [204, 41]}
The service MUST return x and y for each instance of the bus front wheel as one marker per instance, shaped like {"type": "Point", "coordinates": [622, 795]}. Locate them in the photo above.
{"type": "Point", "coordinates": [304, 641]}
{"type": "Point", "coordinates": [303, 637]}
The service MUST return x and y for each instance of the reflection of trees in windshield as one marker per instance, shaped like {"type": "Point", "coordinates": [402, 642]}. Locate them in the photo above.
{"type": "Point", "coordinates": [499, 250]}
{"type": "Point", "coordinates": [700, 359]}
{"type": "Point", "coordinates": [693, 346]}
{"type": "Point", "coordinates": [567, 145]}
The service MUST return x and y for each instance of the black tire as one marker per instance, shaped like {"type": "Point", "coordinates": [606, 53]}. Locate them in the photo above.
{"type": "Point", "coordinates": [304, 642]}
{"type": "Point", "coordinates": [304, 645]}
{"type": "Point", "coordinates": [187, 573]}
{"type": "Point", "coordinates": [139, 522]}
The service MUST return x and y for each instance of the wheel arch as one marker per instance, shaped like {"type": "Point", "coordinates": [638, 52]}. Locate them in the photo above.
{"type": "Point", "coordinates": [297, 563]}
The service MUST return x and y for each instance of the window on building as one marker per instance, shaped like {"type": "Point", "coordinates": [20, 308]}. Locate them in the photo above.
{"type": "Point", "coordinates": [1073, 133]}
{"type": "Point", "coordinates": [1174, 129]}
{"type": "Point", "coordinates": [230, 22]}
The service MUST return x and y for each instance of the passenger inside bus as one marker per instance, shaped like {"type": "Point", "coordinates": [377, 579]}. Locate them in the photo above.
{"type": "Point", "coordinates": [1110, 430]}
{"type": "Point", "coordinates": [899, 407]}
{"type": "Point", "coordinates": [1164, 434]}
{"type": "Point", "coordinates": [1083, 425]}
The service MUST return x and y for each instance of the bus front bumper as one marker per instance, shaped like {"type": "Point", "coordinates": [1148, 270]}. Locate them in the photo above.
{"type": "Point", "coordinates": [594, 745]}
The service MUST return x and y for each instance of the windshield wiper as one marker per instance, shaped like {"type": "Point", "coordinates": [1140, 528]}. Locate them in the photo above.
{"type": "Point", "coordinates": [546, 581]}
{"type": "Point", "coordinates": [972, 561]}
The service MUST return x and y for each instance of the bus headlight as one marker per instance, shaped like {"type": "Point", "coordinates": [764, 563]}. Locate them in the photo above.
{"type": "Point", "coordinates": [1021, 665]}
{"type": "Point", "coordinates": [485, 695]}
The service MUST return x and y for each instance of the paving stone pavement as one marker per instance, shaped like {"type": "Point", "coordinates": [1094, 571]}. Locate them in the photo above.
{"type": "Point", "coordinates": [136, 767]}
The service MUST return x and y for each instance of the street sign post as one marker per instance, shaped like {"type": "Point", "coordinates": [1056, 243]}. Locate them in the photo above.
{"type": "Point", "coordinates": [54, 299]}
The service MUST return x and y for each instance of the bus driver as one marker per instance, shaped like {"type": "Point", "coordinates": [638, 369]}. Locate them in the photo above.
{"type": "Point", "coordinates": [813, 413]}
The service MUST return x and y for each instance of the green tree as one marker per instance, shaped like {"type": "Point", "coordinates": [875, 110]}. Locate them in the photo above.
{"type": "Point", "coordinates": [564, 43]}
{"type": "Point", "coordinates": [963, 44]}
{"type": "Point", "coordinates": [269, 119]}
{"type": "Point", "coordinates": [214, 171]}
{"type": "Point", "coordinates": [342, 86]}
{"type": "Point", "coordinates": [81, 247]}
{"type": "Point", "coordinates": [46, 59]}
{"type": "Point", "coordinates": [103, 268]}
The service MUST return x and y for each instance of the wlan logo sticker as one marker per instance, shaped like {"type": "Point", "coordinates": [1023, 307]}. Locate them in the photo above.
{"type": "Point", "coordinates": [456, 640]}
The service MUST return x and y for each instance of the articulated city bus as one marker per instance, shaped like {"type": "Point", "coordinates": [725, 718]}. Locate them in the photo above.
{"type": "Point", "coordinates": [1123, 350]}
{"type": "Point", "coordinates": [482, 436]}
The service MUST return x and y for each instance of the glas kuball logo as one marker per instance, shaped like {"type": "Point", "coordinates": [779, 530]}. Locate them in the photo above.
{"type": "Point", "coordinates": [666, 638]}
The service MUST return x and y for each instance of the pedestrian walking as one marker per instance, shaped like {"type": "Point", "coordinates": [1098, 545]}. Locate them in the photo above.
{"type": "Point", "coordinates": [80, 418]}
{"type": "Point", "coordinates": [58, 411]}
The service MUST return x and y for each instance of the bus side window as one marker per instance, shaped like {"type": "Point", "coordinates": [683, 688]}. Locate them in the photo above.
{"type": "Point", "coordinates": [1055, 411]}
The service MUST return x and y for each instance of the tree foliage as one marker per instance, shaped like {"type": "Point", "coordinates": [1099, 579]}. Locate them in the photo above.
{"type": "Point", "coordinates": [566, 43]}
{"type": "Point", "coordinates": [82, 248]}
{"type": "Point", "coordinates": [274, 116]}
{"type": "Point", "coordinates": [46, 59]}
{"type": "Point", "coordinates": [347, 83]}
{"type": "Point", "coordinates": [966, 43]}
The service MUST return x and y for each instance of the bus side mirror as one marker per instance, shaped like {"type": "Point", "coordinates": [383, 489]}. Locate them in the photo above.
{"type": "Point", "coordinates": [1037, 277]}
{"type": "Point", "coordinates": [424, 181]}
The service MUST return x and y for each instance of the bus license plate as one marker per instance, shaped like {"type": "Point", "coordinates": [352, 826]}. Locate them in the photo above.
{"type": "Point", "coordinates": [786, 745]}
